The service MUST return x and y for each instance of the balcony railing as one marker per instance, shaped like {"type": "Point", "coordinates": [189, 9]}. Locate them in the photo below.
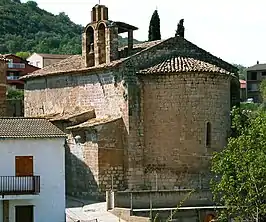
{"type": "Point", "coordinates": [16, 65]}
{"type": "Point", "coordinates": [21, 185]}
{"type": "Point", "coordinates": [13, 77]}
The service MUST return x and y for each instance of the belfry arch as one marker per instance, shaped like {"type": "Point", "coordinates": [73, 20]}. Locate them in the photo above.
{"type": "Point", "coordinates": [102, 43]}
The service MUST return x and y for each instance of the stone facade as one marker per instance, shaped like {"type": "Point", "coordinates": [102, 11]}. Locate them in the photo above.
{"type": "Point", "coordinates": [176, 111]}
{"type": "Point", "coordinates": [3, 104]}
{"type": "Point", "coordinates": [99, 157]}
{"type": "Point", "coordinates": [152, 130]}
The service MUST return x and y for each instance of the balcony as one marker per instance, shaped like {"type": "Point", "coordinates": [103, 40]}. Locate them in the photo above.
{"type": "Point", "coordinates": [13, 77]}
{"type": "Point", "coordinates": [21, 185]}
{"type": "Point", "coordinates": [16, 65]}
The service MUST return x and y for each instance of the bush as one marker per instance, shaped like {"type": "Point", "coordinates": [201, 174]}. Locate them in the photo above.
{"type": "Point", "coordinates": [15, 94]}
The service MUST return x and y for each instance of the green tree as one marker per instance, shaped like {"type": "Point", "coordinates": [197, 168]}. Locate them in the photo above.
{"type": "Point", "coordinates": [240, 168]}
{"type": "Point", "coordinates": [242, 71]}
{"type": "Point", "coordinates": [27, 28]}
{"type": "Point", "coordinates": [154, 28]}
{"type": "Point", "coordinates": [23, 55]}
{"type": "Point", "coordinates": [263, 90]}
{"type": "Point", "coordinates": [15, 94]}
{"type": "Point", "coordinates": [32, 4]}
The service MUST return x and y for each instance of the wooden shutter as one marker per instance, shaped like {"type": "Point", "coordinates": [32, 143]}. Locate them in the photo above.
{"type": "Point", "coordinates": [24, 165]}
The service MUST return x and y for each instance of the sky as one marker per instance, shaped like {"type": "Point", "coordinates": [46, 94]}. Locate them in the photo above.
{"type": "Point", "coordinates": [234, 30]}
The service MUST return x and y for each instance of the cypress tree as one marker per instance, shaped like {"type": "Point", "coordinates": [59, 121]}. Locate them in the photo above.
{"type": "Point", "coordinates": [180, 29]}
{"type": "Point", "coordinates": [154, 28]}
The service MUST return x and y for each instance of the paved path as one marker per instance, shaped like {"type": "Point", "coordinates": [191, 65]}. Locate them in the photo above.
{"type": "Point", "coordinates": [90, 211]}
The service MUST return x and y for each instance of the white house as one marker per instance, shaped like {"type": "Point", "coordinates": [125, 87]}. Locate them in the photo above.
{"type": "Point", "coordinates": [41, 60]}
{"type": "Point", "coordinates": [32, 171]}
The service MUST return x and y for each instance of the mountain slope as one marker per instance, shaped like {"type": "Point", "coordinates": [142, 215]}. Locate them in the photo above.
{"type": "Point", "coordinates": [26, 27]}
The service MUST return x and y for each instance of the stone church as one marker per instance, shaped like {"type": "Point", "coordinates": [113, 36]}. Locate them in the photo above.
{"type": "Point", "coordinates": [143, 116]}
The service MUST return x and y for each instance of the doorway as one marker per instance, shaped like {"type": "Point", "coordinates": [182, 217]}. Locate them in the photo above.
{"type": "Point", "coordinates": [24, 213]}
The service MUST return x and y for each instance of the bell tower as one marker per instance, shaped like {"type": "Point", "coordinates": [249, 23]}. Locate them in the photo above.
{"type": "Point", "coordinates": [100, 38]}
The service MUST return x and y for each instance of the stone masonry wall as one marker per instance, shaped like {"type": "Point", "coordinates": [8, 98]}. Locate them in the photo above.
{"type": "Point", "coordinates": [176, 110]}
{"type": "Point", "coordinates": [112, 156]}
{"type": "Point", "coordinates": [3, 108]}
{"type": "Point", "coordinates": [81, 166]}
{"type": "Point", "coordinates": [104, 92]}
{"type": "Point", "coordinates": [96, 162]}
{"type": "Point", "coordinates": [149, 57]}
{"type": "Point", "coordinates": [66, 93]}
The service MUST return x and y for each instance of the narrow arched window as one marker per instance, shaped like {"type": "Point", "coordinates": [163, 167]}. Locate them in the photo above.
{"type": "Point", "coordinates": [208, 134]}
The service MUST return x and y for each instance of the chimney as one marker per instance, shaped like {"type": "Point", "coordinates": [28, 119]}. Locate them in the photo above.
{"type": "Point", "coordinates": [258, 62]}
{"type": "Point", "coordinates": [3, 67]}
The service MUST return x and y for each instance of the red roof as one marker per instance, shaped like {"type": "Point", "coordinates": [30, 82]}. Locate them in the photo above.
{"type": "Point", "coordinates": [243, 84]}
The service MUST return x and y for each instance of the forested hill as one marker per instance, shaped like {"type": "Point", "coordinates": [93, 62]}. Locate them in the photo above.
{"type": "Point", "coordinates": [24, 27]}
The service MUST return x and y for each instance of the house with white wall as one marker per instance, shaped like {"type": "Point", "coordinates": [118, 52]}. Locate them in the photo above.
{"type": "Point", "coordinates": [42, 60]}
{"type": "Point", "coordinates": [32, 171]}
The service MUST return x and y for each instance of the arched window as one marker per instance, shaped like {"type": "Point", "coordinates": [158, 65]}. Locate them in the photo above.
{"type": "Point", "coordinates": [208, 134]}
{"type": "Point", "coordinates": [90, 39]}
{"type": "Point", "coordinates": [102, 44]}
{"type": "Point", "coordinates": [88, 45]}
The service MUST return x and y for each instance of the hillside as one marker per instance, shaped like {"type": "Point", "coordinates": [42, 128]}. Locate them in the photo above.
{"type": "Point", "coordinates": [27, 28]}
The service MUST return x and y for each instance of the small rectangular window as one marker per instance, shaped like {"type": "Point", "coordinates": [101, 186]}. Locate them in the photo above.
{"type": "Point", "coordinates": [208, 134]}
{"type": "Point", "coordinates": [253, 76]}
{"type": "Point", "coordinates": [263, 73]}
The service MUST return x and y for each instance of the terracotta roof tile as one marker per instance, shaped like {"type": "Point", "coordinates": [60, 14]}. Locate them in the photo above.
{"type": "Point", "coordinates": [76, 63]}
{"type": "Point", "coordinates": [182, 64]}
{"type": "Point", "coordinates": [53, 56]}
{"type": "Point", "coordinates": [71, 64]}
{"type": "Point", "coordinates": [28, 128]}
{"type": "Point", "coordinates": [3, 58]}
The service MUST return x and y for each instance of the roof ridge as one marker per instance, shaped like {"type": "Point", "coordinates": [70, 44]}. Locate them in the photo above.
{"type": "Point", "coordinates": [179, 64]}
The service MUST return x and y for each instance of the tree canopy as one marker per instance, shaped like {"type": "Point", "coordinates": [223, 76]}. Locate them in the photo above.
{"type": "Point", "coordinates": [242, 71]}
{"type": "Point", "coordinates": [27, 28]}
{"type": "Point", "coordinates": [154, 28]}
{"type": "Point", "coordinates": [240, 168]}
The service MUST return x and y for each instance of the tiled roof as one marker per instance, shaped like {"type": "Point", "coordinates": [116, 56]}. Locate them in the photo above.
{"type": "Point", "coordinates": [71, 64]}
{"type": "Point", "coordinates": [176, 46]}
{"type": "Point", "coordinates": [28, 128]}
{"type": "Point", "coordinates": [2, 58]}
{"type": "Point", "coordinates": [257, 67]}
{"type": "Point", "coordinates": [243, 84]}
{"type": "Point", "coordinates": [53, 56]}
{"type": "Point", "coordinates": [182, 64]}
{"type": "Point", "coordinates": [76, 63]}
